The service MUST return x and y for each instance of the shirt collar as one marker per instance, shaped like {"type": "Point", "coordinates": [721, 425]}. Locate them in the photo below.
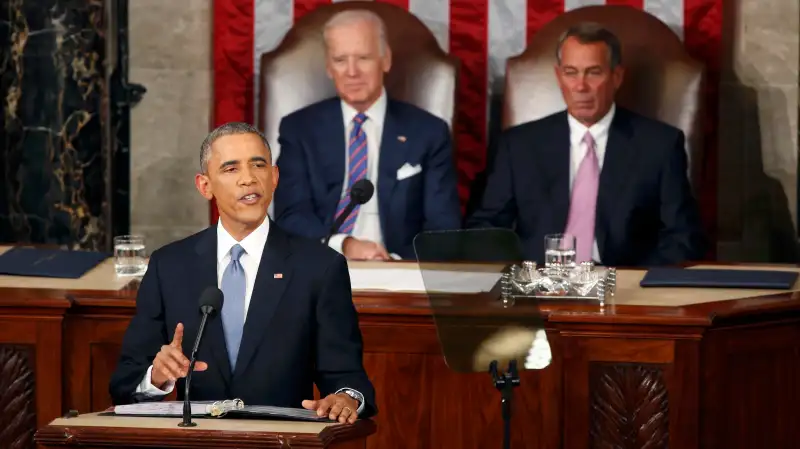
{"type": "Point", "coordinates": [376, 112]}
{"type": "Point", "coordinates": [598, 130]}
{"type": "Point", "coordinates": [253, 244]}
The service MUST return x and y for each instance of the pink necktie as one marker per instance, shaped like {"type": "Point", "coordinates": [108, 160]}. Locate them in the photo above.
{"type": "Point", "coordinates": [584, 201]}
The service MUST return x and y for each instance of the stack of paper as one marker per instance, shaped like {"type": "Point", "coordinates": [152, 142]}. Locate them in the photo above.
{"type": "Point", "coordinates": [408, 279]}
{"type": "Point", "coordinates": [165, 408]}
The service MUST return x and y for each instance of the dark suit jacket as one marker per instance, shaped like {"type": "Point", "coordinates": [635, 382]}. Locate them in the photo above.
{"type": "Point", "coordinates": [312, 167]}
{"type": "Point", "coordinates": [646, 213]}
{"type": "Point", "coordinates": [300, 330]}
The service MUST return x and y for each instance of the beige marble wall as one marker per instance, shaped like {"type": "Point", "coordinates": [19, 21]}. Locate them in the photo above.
{"type": "Point", "coordinates": [170, 44]}
{"type": "Point", "coordinates": [758, 131]}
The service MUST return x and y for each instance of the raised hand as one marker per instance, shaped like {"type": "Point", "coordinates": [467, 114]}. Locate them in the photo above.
{"type": "Point", "coordinates": [170, 364]}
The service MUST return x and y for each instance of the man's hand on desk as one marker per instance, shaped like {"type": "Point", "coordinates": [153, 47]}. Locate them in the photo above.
{"type": "Point", "coordinates": [356, 249]}
{"type": "Point", "coordinates": [170, 363]}
{"type": "Point", "coordinates": [339, 407]}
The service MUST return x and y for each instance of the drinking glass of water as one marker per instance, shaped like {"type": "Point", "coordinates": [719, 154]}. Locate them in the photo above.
{"type": "Point", "coordinates": [129, 255]}
{"type": "Point", "coordinates": [559, 251]}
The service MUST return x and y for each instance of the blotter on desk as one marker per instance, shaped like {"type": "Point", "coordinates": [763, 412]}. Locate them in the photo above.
{"type": "Point", "coordinates": [219, 409]}
{"type": "Point", "coordinates": [52, 263]}
{"type": "Point", "coordinates": [719, 278]}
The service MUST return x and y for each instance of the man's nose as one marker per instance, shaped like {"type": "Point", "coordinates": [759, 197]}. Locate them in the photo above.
{"type": "Point", "coordinates": [247, 177]}
{"type": "Point", "coordinates": [582, 85]}
{"type": "Point", "coordinates": [352, 68]}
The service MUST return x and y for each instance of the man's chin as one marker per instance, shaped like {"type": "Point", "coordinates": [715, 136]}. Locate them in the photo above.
{"type": "Point", "coordinates": [357, 97]}
{"type": "Point", "coordinates": [252, 214]}
{"type": "Point", "coordinates": [584, 114]}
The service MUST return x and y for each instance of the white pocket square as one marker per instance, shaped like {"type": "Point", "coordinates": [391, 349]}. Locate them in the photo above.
{"type": "Point", "coordinates": [407, 171]}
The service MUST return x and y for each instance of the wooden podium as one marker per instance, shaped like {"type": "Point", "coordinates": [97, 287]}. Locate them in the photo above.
{"type": "Point", "coordinates": [93, 430]}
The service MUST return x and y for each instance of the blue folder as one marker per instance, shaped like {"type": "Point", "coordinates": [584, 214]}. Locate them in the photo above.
{"type": "Point", "coordinates": [53, 263]}
{"type": "Point", "coordinates": [719, 278]}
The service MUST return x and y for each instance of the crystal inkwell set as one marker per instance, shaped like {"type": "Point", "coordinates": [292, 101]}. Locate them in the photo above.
{"type": "Point", "coordinates": [561, 278]}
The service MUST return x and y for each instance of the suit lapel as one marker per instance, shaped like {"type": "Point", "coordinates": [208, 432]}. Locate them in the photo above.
{"type": "Point", "coordinates": [557, 164]}
{"type": "Point", "coordinates": [332, 145]}
{"type": "Point", "coordinates": [618, 163]}
{"type": "Point", "coordinates": [273, 275]}
{"type": "Point", "coordinates": [205, 268]}
{"type": "Point", "coordinates": [392, 157]}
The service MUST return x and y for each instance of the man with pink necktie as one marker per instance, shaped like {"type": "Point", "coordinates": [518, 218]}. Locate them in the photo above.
{"type": "Point", "coordinates": [614, 179]}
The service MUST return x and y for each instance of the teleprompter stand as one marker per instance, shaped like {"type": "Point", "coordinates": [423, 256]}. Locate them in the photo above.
{"type": "Point", "coordinates": [478, 323]}
{"type": "Point", "coordinates": [505, 383]}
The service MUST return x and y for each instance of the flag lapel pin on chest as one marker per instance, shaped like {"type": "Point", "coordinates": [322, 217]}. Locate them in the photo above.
{"type": "Point", "coordinates": [277, 276]}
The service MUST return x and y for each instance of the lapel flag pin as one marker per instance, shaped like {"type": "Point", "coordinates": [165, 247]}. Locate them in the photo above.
{"type": "Point", "coordinates": [278, 276]}
{"type": "Point", "coordinates": [401, 138]}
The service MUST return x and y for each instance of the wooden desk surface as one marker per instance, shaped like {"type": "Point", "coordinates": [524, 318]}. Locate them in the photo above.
{"type": "Point", "coordinates": [230, 425]}
{"type": "Point", "coordinates": [101, 287]}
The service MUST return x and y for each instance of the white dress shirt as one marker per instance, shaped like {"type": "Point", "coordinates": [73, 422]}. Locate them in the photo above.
{"type": "Point", "coordinates": [368, 223]}
{"type": "Point", "coordinates": [578, 149]}
{"type": "Point", "coordinates": [253, 244]}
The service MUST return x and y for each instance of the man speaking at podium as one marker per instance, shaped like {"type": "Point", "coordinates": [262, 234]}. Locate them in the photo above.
{"type": "Point", "coordinates": [287, 320]}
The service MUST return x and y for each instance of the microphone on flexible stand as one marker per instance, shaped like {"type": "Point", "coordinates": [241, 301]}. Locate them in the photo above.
{"type": "Point", "coordinates": [360, 193]}
{"type": "Point", "coordinates": [210, 303]}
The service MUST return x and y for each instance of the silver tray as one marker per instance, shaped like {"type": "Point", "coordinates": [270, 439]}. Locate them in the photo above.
{"type": "Point", "coordinates": [526, 281]}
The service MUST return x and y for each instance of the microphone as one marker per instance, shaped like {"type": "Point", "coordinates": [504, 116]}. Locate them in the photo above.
{"type": "Point", "coordinates": [360, 193]}
{"type": "Point", "coordinates": [210, 303]}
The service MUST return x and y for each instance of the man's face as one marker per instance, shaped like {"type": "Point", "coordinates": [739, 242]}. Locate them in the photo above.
{"type": "Point", "coordinates": [241, 180]}
{"type": "Point", "coordinates": [355, 64]}
{"type": "Point", "coordinates": [586, 79]}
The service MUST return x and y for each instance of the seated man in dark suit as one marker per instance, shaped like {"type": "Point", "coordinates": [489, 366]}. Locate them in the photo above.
{"type": "Point", "coordinates": [614, 179]}
{"type": "Point", "coordinates": [287, 321]}
{"type": "Point", "coordinates": [361, 134]}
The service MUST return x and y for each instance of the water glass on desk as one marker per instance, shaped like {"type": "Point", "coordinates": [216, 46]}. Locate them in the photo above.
{"type": "Point", "coordinates": [129, 255]}
{"type": "Point", "coordinates": [559, 251]}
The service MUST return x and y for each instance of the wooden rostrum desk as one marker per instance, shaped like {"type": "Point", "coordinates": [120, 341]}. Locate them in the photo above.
{"type": "Point", "coordinates": [655, 368]}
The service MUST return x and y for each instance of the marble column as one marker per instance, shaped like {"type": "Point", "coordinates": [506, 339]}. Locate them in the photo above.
{"type": "Point", "coordinates": [55, 144]}
{"type": "Point", "coordinates": [758, 152]}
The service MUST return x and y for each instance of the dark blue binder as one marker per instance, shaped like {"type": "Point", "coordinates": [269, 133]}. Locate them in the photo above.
{"type": "Point", "coordinates": [53, 263]}
{"type": "Point", "coordinates": [719, 278]}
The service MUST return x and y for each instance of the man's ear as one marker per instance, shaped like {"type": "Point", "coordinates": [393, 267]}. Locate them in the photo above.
{"type": "Point", "coordinates": [203, 185]}
{"type": "Point", "coordinates": [386, 61]}
{"type": "Point", "coordinates": [619, 76]}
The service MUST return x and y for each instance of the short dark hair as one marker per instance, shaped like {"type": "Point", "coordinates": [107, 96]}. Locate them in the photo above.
{"type": "Point", "coordinates": [590, 33]}
{"type": "Point", "coordinates": [229, 129]}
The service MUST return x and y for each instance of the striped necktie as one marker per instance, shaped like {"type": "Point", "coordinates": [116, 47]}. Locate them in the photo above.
{"type": "Point", "coordinates": [356, 171]}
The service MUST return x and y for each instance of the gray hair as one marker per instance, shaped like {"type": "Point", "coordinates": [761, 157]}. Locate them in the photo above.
{"type": "Point", "coordinates": [351, 16]}
{"type": "Point", "coordinates": [229, 129]}
{"type": "Point", "coordinates": [590, 33]}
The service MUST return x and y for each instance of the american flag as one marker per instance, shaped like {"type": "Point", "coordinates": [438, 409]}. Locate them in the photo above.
{"type": "Point", "coordinates": [483, 34]}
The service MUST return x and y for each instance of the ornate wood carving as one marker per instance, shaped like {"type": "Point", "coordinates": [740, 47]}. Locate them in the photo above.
{"type": "Point", "coordinates": [17, 398]}
{"type": "Point", "coordinates": [629, 407]}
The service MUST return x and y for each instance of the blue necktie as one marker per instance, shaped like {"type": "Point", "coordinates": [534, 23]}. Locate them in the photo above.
{"type": "Point", "coordinates": [356, 171]}
{"type": "Point", "coordinates": [233, 289]}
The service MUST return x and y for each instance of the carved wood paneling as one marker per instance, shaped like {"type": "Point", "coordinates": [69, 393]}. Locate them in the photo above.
{"type": "Point", "coordinates": [629, 407]}
{"type": "Point", "coordinates": [17, 398]}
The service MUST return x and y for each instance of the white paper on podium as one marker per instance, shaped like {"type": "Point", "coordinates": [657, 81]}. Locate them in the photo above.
{"type": "Point", "coordinates": [163, 408]}
{"type": "Point", "coordinates": [411, 280]}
